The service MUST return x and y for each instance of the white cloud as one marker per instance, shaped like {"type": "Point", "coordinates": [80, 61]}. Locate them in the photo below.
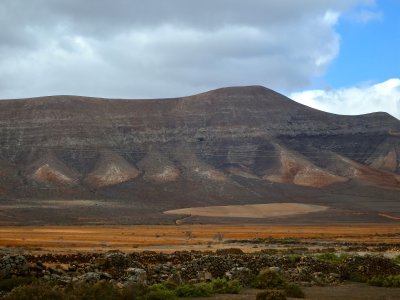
{"type": "Point", "coordinates": [383, 96]}
{"type": "Point", "coordinates": [163, 48]}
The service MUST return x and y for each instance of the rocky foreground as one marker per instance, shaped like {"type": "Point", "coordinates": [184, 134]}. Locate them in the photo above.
{"type": "Point", "coordinates": [190, 268]}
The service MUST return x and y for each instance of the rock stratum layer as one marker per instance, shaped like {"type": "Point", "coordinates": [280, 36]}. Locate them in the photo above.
{"type": "Point", "coordinates": [239, 145]}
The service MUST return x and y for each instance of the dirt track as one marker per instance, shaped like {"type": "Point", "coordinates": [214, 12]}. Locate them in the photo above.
{"type": "Point", "coordinates": [354, 291]}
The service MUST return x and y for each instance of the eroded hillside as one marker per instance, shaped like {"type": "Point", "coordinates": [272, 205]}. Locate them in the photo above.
{"type": "Point", "coordinates": [241, 145]}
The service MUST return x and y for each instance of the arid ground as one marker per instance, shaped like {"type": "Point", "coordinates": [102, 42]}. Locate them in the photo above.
{"type": "Point", "coordinates": [168, 238]}
{"type": "Point", "coordinates": [347, 291]}
{"type": "Point", "coordinates": [286, 246]}
{"type": "Point", "coordinates": [250, 210]}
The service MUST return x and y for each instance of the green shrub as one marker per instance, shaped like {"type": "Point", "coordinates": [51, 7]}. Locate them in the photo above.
{"type": "Point", "coordinates": [10, 283]}
{"type": "Point", "coordinates": [376, 281]}
{"type": "Point", "coordinates": [229, 251]}
{"type": "Point", "coordinates": [223, 286]}
{"type": "Point", "coordinates": [294, 291]}
{"type": "Point", "coordinates": [271, 294]}
{"type": "Point", "coordinates": [161, 287]}
{"type": "Point", "coordinates": [294, 258]}
{"type": "Point", "coordinates": [389, 281]}
{"type": "Point", "coordinates": [332, 257]}
{"type": "Point", "coordinates": [269, 279]}
{"type": "Point", "coordinates": [134, 291]}
{"type": "Point", "coordinates": [170, 284]}
{"type": "Point", "coordinates": [396, 259]}
{"type": "Point", "coordinates": [288, 240]}
{"type": "Point", "coordinates": [159, 295]}
{"type": "Point", "coordinates": [195, 290]}
{"type": "Point", "coordinates": [37, 291]}
{"type": "Point", "coordinates": [154, 292]}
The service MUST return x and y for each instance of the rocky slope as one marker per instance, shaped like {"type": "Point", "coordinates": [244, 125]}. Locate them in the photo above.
{"type": "Point", "coordinates": [227, 146]}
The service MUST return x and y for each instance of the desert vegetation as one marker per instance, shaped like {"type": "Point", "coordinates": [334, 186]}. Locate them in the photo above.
{"type": "Point", "coordinates": [148, 275]}
{"type": "Point", "coordinates": [172, 262]}
{"type": "Point", "coordinates": [169, 238]}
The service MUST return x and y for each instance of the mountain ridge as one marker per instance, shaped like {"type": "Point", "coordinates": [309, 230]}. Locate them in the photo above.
{"type": "Point", "coordinates": [252, 90]}
{"type": "Point", "coordinates": [232, 145]}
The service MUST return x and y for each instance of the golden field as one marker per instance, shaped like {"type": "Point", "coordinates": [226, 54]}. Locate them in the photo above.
{"type": "Point", "coordinates": [167, 238]}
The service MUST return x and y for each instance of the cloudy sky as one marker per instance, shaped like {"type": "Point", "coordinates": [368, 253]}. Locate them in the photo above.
{"type": "Point", "coordinates": [335, 55]}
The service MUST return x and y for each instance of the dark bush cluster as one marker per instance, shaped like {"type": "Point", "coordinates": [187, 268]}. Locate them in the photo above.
{"type": "Point", "coordinates": [294, 291]}
{"type": "Point", "coordinates": [7, 284]}
{"type": "Point", "coordinates": [388, 281]}
{"type": "Point", "coordinates": [223, 286]}
{"type": "Point", "coordinates": [24, 290]}
{"type": "Point", "coordinates": [332, 257]}
{"type": "Point", "coordinates": [276, 286]}
{"type": "Point", "coordinates": [396, 259]}
{"type": "Point", "coordinates": [217, 286]}
{"type": "Point", "coordinates": [47, 291]}
{"type": "Point", "coordinates": [269, 279]}
{"type": "Point", "coordinates": [35, 291]}
{"type": "Point", "coordinates": [271, 294]}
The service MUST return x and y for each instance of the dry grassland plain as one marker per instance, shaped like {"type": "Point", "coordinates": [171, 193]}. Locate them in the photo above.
{"type": "Point", "coordinates": [169, 238]}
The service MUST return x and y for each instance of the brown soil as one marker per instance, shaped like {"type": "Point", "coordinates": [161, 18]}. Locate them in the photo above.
{"type": "Point", "coordinates": [298, 170]}
{"type": "Point", "coordinates": [352, 292]}
{"type": "Point", "coordinates": [347, 291]}
{"type": "Point", "coordinates": [249, 210]}
{"type": "Point", "coordinates": [111, 169]}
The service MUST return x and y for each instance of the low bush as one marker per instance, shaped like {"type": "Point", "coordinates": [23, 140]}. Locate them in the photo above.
{"type": "Point", "coordinates": [294, 258]}
{"type": "Point", "coordinates": [39, 291]}
{"type": "Point", "coordinates": [288, 241]}
{"type": "Point", "coordinates": [223, 286]}
{"type": "Point", "coordinates": [277, 287]}
{"type": "Point", "coordinates": [162, 287]}
{"type": "Point", "coordinates": [229, 251]}
{"type": "Point", "coordinates": [206, 289]}
{"type": "Point", "coordinates": [388, 281]}
{"type": "Point", "coordinates": [10, 283]}
{"type": "Point", "coordinates": [396, 259]}
{"type": "Point", "coordinates": [100, 290]}
{"type": "Point", "coordinates": [134, 291]}
{"type": "Point", "coordinates": [105, 290]}
{"type": "Point", "coordinates": [195, 290]}
{"type": "Point", "coordinates": [294, 291]}
{"type": "Point", "coordinates": [269, 279]}
{"type": "Point", "coordinates": [332, 257]}
{"type": "Point", "coordinates": [154, 292]}
{"type": "Point", "coordinates": [271, 294]}
{"type": "Point", "coordinates": [159, 295]}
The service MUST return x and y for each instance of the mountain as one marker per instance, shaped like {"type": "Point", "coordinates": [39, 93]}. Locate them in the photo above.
{"type": "Point", "coordinates": [134, 159]}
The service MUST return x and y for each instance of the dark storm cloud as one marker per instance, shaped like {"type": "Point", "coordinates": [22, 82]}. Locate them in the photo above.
{"type": "Point", "coordinates": [154, 48]}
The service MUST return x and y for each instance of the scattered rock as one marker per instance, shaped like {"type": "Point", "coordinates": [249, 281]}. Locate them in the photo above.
{"type": "Point", "coordinates": [136, 275]}
{"type": "Point", "coordinates": [243, 274]}
{"type": "Point", "coordinates": [90, 277]}
{"type": "Point", "coordinates": [13, 265]}
{"type": "Point", "coordinates": [362, 268]}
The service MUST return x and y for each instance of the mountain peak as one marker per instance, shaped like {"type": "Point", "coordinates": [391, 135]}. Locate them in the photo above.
{"type": "Point", "coordinates": [251, 90]}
